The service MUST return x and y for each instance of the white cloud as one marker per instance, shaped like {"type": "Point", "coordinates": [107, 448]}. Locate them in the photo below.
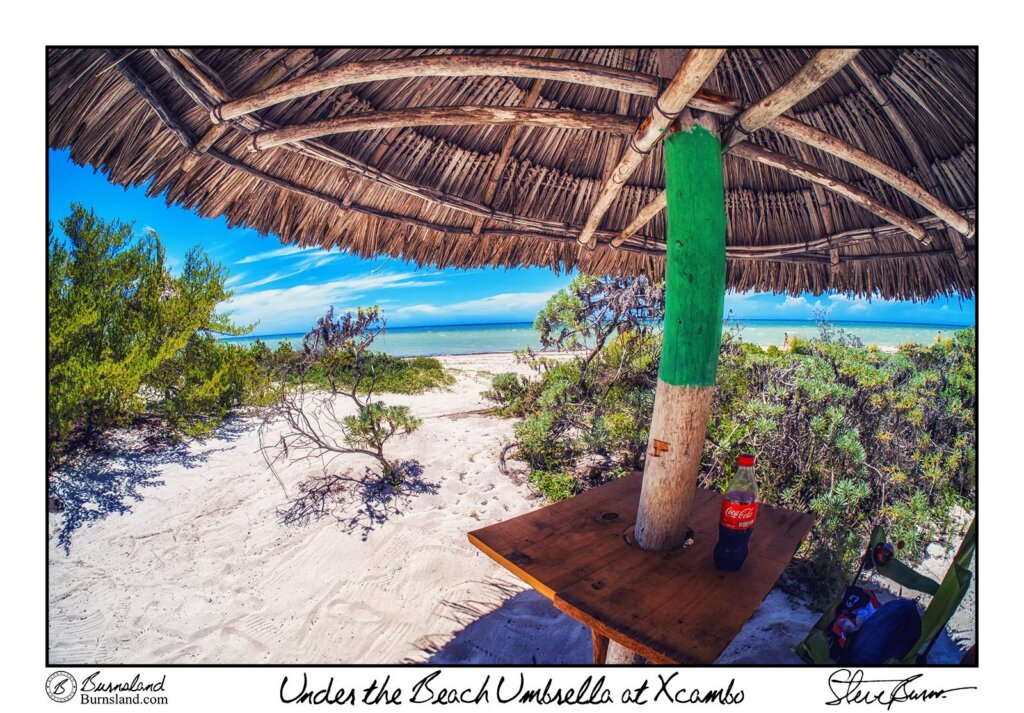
{"type": "Point", "coordinates": [510, 304]}
{"type": "Point", "coordinates": [794, 303]}
{"type": "Point", "coordinates": [286, 251]}
{"type": "Point", "coordinates": [295, 308]}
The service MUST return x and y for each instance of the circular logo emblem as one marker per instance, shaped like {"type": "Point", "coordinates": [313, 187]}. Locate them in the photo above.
{"type": "Point", "coordinates": [61, 686]}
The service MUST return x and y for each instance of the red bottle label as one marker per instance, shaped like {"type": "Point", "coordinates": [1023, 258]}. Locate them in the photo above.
{"type": "Point", "coordinates": [738, 516]}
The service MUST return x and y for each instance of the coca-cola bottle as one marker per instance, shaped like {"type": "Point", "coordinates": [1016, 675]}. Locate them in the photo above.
{"type": "Point", "coordinates": [736, 522]}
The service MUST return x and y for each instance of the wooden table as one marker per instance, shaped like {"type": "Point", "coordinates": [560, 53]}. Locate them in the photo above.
{"type": "Point", "coordinates": [670, 607]}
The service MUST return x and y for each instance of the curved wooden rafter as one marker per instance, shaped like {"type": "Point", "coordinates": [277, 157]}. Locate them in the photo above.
{"type": "Point", "coordinates": [444, 116]}
{"type": "Point", "coordinates": [545, 68]}
{"type": "Point", "coordinates": [805, 134]}
{"type": "Point", "coordinates": [792, 166]}
{"type": "Point", "coordinates": [321, 151]}
{"type": "Point", "coordinates": [724, 106]}
{"type": "Point", "coordinates": [795, 252]}
{"type": "Point", "coordinates": [809, 135]}
{"type": "Point", "coordinates": [924, 168]}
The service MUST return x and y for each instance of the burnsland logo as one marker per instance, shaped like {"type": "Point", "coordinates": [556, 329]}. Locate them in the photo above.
{"type": "Point", "coordinates": [61, 686]}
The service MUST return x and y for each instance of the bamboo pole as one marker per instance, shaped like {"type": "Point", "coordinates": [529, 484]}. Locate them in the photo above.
{"type": "Point", "coordinates": [694, 301]}
{"type": "Point", "coordinates": [642, 218]}
{"type": "Point", "coordinates": [788, 164]}
{"type": "Point", "coordinates": [594, 75]}
{"type": "Point", "coordinates": [692, 73]}
{"type": "Point", "coordinates": [818, 70]}
{"type": "Point", "coordinates": [443, 116]}
{"type": "Point", "coordinates": [806, 134]}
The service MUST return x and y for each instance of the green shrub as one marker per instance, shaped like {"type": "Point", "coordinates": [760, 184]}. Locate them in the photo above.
{"type": "Point", "coordinates": [378, 372]}
{"type": "Point", "coordinates": [126, 337]}
{"type": "Point", "coordinates": [553, 485]}
{"type": "Point", "coordinates": [508, 391]}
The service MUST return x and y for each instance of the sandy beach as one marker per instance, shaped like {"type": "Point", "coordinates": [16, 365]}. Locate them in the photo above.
{"type": "Point", "coordinates": [201, 569]}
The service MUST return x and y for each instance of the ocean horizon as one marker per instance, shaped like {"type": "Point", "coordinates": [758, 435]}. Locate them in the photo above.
{"type": "Point", "coordinates": [496, 337]}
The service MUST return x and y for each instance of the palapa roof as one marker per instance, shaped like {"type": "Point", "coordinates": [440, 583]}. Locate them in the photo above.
{"type": "Point", "coordinates": [866, 183]}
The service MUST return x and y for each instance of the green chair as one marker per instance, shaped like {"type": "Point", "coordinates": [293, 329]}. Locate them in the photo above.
{"type": "Point", "coordinates": [946, 597]}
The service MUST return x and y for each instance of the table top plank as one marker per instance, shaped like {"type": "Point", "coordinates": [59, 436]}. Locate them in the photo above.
{"type": "Point", "coordinates": [554, 546]}
{"type": "Point", "coordinates": [669, 606]}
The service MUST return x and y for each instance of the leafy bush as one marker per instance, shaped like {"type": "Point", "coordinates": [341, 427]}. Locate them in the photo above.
{"type": "Point", "coordinates": [127, 338]}
{"type": "Point", "coordinates": [388, 374]}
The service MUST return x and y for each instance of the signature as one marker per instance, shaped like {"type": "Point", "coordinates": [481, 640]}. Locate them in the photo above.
{"type": "Point", "coordinates": [851, 687]}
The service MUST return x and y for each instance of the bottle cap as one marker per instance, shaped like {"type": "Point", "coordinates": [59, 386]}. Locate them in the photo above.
{"type": "Point", "coordinates": [746, 459]}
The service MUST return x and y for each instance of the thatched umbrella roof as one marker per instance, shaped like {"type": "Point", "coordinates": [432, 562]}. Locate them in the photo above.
{"type": "Point", "coordinates": [465, 157]}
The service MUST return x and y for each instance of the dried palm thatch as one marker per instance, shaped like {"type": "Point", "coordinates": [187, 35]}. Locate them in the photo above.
{"type": "Point", "coordinates": [866, 183]}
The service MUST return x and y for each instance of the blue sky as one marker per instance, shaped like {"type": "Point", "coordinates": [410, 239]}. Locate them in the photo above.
{"type": "Point", "coordinates": [285, 288]}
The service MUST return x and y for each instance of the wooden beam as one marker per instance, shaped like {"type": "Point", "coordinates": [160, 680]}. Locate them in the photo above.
{"type": "Point", "coordinates": [593, 75]}
{"type": "Point", "coordinates": [692, 73]}
{"type": "Point", "coordinates": [806, 134]}
{"type": "Point", "coordinates": [321, 151]}
{"type": "Point", "coordinates": [794, 167]}
{"type": "Point", "coordinates": [642, 218]}
{"type": "Point", "coordinates": [818, 70]}
{"type": "Point", "coordinates": [694, 302]}
{"type": "Point", "coordinates": [280, 69]}
{"type": "Point", "coordinates": [443, 116]}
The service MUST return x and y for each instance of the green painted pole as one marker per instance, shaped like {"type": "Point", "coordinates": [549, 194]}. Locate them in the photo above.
{"type": "Point", "coordinates": [694, 300]}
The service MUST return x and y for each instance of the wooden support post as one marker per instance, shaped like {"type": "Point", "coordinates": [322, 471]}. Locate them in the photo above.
{"type": "Point", "coordinates": [600, 648]}
{"type": "Point", "coordinates": [694, 300]}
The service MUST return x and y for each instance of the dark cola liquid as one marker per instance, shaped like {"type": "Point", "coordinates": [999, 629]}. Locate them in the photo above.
{"type": "Point", "coordinates": [734, 532]}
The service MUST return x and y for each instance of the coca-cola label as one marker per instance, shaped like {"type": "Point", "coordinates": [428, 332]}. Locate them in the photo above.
{"type": "Point", "coordinates": [738, 516]}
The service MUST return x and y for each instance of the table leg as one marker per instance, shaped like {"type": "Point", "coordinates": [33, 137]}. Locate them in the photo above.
{"type": "Point", "coordinates": [600, 648]}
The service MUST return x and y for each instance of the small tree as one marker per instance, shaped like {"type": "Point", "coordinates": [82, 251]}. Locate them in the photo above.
{"type": "Point", "coordinates": [336, 361]}
{"type": "Point", "coordinates": [597, 402]}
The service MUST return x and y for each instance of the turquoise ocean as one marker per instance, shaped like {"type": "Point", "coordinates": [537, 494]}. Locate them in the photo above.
{"type": "Point", "coordinates": [488, 338]}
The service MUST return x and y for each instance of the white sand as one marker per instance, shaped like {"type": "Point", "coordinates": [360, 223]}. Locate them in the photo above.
{"type": "Point", "coordinates": [201, 570]}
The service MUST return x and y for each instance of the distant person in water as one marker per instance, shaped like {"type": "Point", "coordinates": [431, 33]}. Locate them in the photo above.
{"type": "Point", "coordinates": [785, 340]}
{"type": "Point", "coordinates": [938, 336]}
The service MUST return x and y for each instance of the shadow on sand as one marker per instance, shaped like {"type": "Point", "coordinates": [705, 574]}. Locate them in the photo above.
{"type": "Point", "coordinates": [374, 498]}
{"type": "Point", "coordinates": [108, 478]}
{"type": "Point", "coordinates": [506, 625]}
